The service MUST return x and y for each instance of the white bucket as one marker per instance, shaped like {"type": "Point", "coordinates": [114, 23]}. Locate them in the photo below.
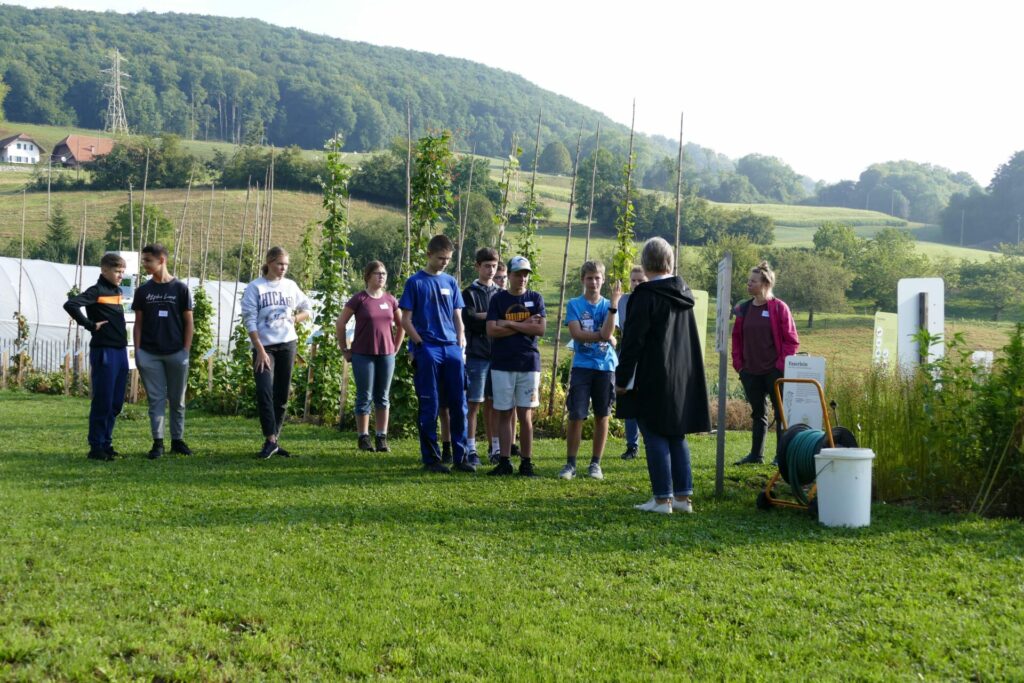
{"type": "Point", "coordinates": [844, 486]}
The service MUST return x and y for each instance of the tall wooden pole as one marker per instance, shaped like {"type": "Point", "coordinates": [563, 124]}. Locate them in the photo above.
{"type": "Point", "coordinates": [238, 274]}
{"type": "Point", "coordinates": [679, 196]}
{"type": "Point", "coordinates": [21, 256]}
{"type": "Point", "coordinates": [179, 236]}
{"type": "Point", "coordinates": [465, 216]}
{"type": "Point", "coordinates": [407, 255]}
{"type": "Point", "coordinates": [565, 272]}
{"type": "Point", "coordinates": [220, 267]}
{"type": "Point", "coordinates": [593, 180]}
{"type": "Point", "coordinates": [142, 217]}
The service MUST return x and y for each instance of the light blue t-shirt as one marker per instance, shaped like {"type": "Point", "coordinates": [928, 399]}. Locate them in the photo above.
{"type": "Point", "coordinates": [591, 317]}
{"type": "Point", "coordinates": [433, 300]}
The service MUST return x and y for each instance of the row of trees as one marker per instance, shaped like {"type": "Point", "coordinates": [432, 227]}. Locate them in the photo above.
{"type": "Point", "coordinates": [842, 268]}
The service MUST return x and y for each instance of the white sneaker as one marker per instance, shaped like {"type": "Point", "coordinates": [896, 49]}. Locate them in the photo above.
{"type": "Point", "coordinates": [682, 505]}
{"type": "Point", "coordinates": [594, 471]}
{"type": "Point", "coordinates": [654, 506]}
{"type": "Point", "coordinates": [567, 472]}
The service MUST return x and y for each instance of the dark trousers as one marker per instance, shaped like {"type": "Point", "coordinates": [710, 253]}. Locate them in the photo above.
{"type": "Point", "coordinates": [759, 388]}
{"type": "Point", "coordinates": [109, 375]}
{"type": "Point", "coordinates": [440, 368]}
{"type": "Point", "coordinates": [273, 385]}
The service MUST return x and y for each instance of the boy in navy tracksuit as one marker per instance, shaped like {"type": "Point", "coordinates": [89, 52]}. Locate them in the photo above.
{"type": "Point", "coordinates": [432, 317]}
{"type": "Point", "coordinates": [108, 354]}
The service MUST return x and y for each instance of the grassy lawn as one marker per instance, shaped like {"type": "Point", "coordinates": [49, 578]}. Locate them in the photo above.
{"type": "Point", "coordinates": [342, 565]}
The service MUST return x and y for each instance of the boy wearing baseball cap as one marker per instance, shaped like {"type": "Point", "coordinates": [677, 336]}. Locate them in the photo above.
{"type": "Point", "coordinates": [515, 320]}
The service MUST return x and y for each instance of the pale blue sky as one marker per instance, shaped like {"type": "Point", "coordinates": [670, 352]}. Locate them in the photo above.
{"type": "Point", "coordinates": [828, 87]}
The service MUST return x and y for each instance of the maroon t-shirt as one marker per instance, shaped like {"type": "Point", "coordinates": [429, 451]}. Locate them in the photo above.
{"type": "Point", "coordinates": [374, 318]}
{"type": "Point", "coordinates": [759, 354]}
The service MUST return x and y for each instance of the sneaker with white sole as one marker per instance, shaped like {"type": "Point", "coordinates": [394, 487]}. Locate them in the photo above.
{"type": "Point", "coordinates": [654, 506]}
{"type": "Point", "coordinates": [567, 472]}
{"type": "Point", "coordinates": [594, 471]}
{"type": "Point", "coordinates": [682, 505]}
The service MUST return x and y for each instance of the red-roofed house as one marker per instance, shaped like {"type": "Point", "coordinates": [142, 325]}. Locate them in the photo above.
{"type": "Point", "coordinates": [20, 149]}
{"type": "Point", "coordinates": [76, 150]}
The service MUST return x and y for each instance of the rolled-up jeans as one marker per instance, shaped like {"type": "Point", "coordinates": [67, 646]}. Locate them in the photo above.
{"type": "Point", "coordinates": [668, 463]}
{"type": "Point", "coordinates": [372, 373]}
{"type": "Point", "coordinates": [165, 377]}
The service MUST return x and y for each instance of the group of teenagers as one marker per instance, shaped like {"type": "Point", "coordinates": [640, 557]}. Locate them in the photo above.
{"type": "Point", "coordinates": [474, 351]}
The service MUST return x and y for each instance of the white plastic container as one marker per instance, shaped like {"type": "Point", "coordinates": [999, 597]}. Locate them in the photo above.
{"type": "Point", "coordinates": [844, 486]}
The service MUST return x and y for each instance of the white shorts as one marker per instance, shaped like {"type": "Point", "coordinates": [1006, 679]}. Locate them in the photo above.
{"type": "Point", "coordinates": [515, 389]}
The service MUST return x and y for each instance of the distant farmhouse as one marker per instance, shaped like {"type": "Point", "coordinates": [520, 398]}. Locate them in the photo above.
{"type": "Point", "coordinates": [19, 149]}
{"type": "Point", "coordinates": [75, 150]}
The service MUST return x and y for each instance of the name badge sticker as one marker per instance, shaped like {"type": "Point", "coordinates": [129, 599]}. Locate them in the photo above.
{"type": "Point", "coordinates": [385, 306]}
{"type": "Point", "coordinates": [163, 314]}
{"type": "Point", "coordinates": [528, 304]}
{"type": "Point", "coordinates": [445, 291]}
{"type": "Point", "coordinates": [764, 314]}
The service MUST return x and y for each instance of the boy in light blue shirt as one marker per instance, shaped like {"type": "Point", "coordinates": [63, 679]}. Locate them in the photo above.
{"type": "Point", "coordinates": [591, 322]}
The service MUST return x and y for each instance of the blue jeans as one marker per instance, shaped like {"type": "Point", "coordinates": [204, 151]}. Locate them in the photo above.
{"type": "Point", "coordinates": [372, 372]}
{"type": "Point", "coordinates": [632, 433]}
{"type": "Point", "coordinates": [668, 464]}
{"type": "Point", "coordinates": [440, 368]}
{"type": "Point", "coordinates": [109, 376]}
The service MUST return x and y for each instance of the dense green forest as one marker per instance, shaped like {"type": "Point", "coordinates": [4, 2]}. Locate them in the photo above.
{"type": "Point", "coordinates": [250, 83]}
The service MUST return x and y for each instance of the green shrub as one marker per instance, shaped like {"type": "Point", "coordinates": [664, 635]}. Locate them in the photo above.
{"type": "Point", "coordinates": [948, 434]}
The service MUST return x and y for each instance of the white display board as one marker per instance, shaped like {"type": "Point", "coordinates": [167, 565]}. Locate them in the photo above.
{"type": "Point", "coordinates": [801, 402]}
{"type": "Point", "coordinates": [918, 297]}
{"type": "Point", "coordinates": [883, 352]}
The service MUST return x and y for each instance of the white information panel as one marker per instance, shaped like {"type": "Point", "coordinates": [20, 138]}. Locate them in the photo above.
{"type": "Point", "coordinates": [920, 303]}
{"type": "Point", "coordinates": [800, 402]}
{"type": "Point", "coordinates": [700, 316]}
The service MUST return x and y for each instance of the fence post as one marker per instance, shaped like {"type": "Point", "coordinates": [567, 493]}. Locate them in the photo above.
{"type": "Point", "coordinates": [209, 373]}
{"type": "Point", "coordinates": [133, 397]}
{"type": "Point", "coordinates": [309, 384]}
{"type": "Point", "coordinates": [344, 393]}
{"type": "Point", "coordinates": [3, 373]}
{"type": "Point", "coordinates": [67, 373]}
{"type": "Point", "coordinates": [79, 369]}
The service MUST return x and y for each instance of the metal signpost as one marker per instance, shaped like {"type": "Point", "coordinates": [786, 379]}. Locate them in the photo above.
{"type": "Point", "coordinates": [724, 307]}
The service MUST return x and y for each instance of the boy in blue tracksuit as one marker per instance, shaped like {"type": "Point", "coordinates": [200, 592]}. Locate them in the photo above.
{"type": "Point", "coordinates": [432, 317]}
{"type": "Point", "coordinates": [108, 352]}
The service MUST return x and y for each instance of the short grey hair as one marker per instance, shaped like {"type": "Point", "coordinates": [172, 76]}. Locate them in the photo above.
{"type": "Point", "coordinates": [657, 256]}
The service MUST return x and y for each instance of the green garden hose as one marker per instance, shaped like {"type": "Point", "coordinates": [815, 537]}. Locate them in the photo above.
{"type": "Point", "coordinates": [800, 460]}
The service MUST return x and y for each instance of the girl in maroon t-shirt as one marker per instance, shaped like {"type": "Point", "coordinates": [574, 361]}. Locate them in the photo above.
{"type": "Point", "coordinates": [378, 334]}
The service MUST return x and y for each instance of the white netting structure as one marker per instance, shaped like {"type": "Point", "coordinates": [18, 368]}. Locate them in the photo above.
{"type": "Point", "coordinates": [44, 289]}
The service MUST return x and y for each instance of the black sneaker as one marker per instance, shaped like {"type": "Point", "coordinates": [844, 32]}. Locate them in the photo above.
{"type": "Point", "coordinates": [157, 450]}
{"type": "Point", "coordinates": [504, 468]}
{"type": "Point", "coordinates": [631, 453]}
{"type": "Point", "coordinates": [465, 467]}
{"type": "Point", "coordinates": [99, 454]}
{"type": "Point", "coordinates": [283, 453]}
{"type": "Point", "coordinates": [180, 447]}
{"type": "Point", "coordinates": [526, 468]}
{"type": "Point", "coordinates": [751, 459]}
{"type": "Point", "coordinates": [446, 453]}
{"type": "Point", "coordinates": [364, 443]}
{"type": "Point", "coordinates": [381, 444]}
{"type": "Point", "coordinates": [438, 467]}
{"type": "Point", "coordinates": [268, 450]}
{"type": "Point", "coordinates": [109, 450]}
{"type": "Point", "coordinates": [493, 457]}
{"type": "Point", "coordinates": [473, 458]}
{"type": "Point", "coordinates": [515, 449]}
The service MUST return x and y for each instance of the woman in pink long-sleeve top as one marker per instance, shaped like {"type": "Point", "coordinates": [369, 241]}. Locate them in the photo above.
{"type": "Point", "coordinates": [762, 336]}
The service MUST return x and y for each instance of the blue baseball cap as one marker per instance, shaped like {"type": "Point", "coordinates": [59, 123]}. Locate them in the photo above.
{"type": "Point", "coordinates": [517, 263]}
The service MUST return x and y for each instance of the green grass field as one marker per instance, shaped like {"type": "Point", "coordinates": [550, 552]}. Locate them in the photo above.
{"type": "Point", "coordinates": [340, 565]}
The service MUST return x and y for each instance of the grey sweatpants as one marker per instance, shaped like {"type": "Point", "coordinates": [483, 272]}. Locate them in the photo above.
{"type": "Point", "coordinates": [165, 378]}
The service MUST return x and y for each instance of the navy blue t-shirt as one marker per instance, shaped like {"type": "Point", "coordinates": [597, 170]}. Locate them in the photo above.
{"type": "Point", "coordinates": [519, 352]}
{"type": "Point", "coordinates": [433, 300]}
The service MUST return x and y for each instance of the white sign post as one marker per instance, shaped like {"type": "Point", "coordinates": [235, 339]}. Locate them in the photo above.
{"type": "Point", "coordinates": [920, 305]}
{"type": "Point", "coordinates": [724, 306]}
{"type": "Point", "coordinates": [800, 402]}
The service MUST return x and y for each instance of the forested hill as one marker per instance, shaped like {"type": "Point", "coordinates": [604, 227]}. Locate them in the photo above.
{"type": "Point", "coordinates": [238, 79]}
